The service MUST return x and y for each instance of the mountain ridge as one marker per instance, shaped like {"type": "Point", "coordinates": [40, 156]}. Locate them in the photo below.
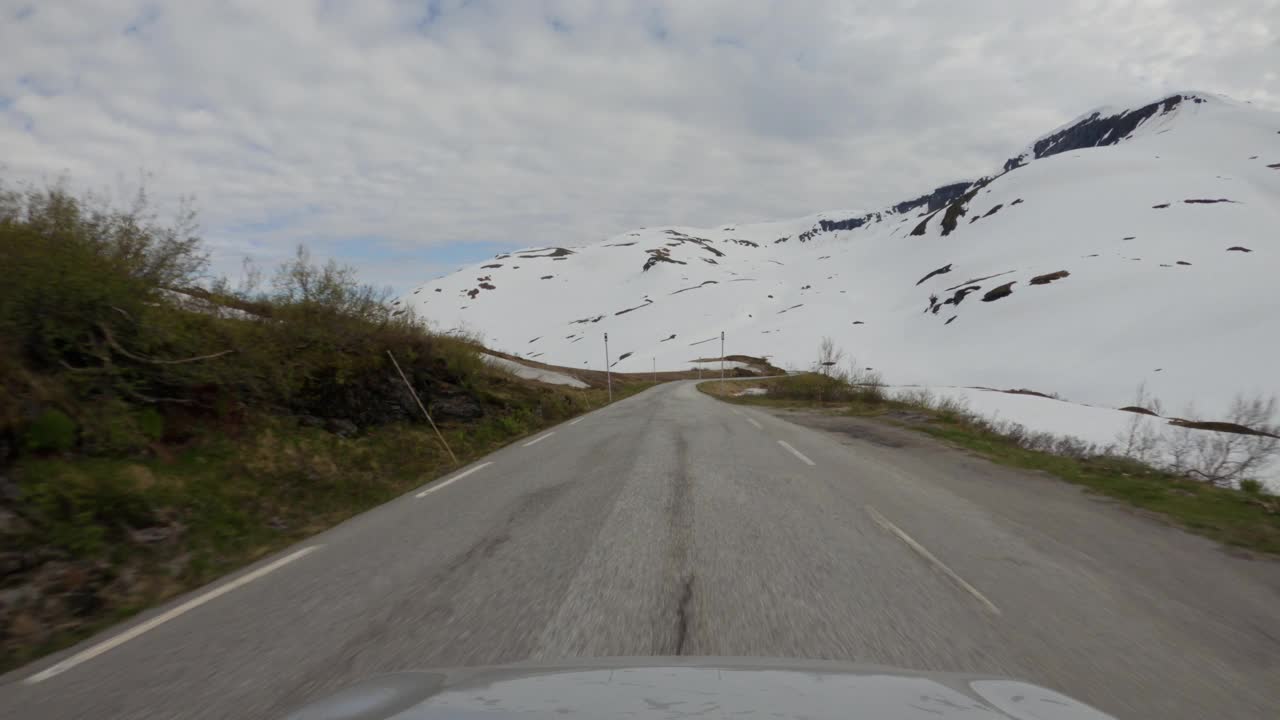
{"type": "Point", "coordinates": [1110, 209]}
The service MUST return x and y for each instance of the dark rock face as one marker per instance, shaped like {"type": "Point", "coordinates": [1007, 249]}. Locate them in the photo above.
{"type": "Point", "coordinates": [10, 491]}
{"type": "Point", "coordinates": [658, 255]}
{"type": "Point", "coordinates": [455, 407]}
{"type": "Point", "coordinates": [955, 211]}
{"type": "Point", "coordinates": [11, 523]}
{"type": "Point", "coordinates": [558, 252]}
{"type": "Point", "coordinates": [961, 294]}
{"type": "Point", "coordinates": [12, 563]}
{"type": "Point", "coordinates": [847, 224]}
{"type": "Point", "coordinates": [154, 535]}
{"type": "Point", "coordinates": [1049, 277]}
{"type": "Point", "coordinates": [1002, 291]}
{"type": "Point", "coordinates": [940, 271]}
{"type": "Point", "coordinates": [341, 427]}
{"type": "Point", "coordinates": [935, 200]}
{"type": "Point", "coordinates": [1099, 131]}
{"type": "Point", "coordinates": [647, 302]}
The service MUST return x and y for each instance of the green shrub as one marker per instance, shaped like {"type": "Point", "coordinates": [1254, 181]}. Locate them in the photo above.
{"type": "Point", "coordinates": [150, 423]}
{"type": "Point", "coordinates": [513, 423]}
{"type": "Point", "coordinates": [51, 431]}
{"type": "Point", "coordinates": [112, 427]}
{"type": "Point", "coordinates": [106, 307]}
{"type": "Point", "coordinates": [1251, 486]}
{"type": "Point", "coordinates": [80, 507]}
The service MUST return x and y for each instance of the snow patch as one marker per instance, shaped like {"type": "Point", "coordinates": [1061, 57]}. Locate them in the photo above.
{"type": "Point", "coordinates": [527, 372]}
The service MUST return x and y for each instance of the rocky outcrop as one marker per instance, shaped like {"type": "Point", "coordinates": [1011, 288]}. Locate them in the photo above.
{"type": "Point", "coordinates": [455, 407]}
{"type": "Point", "coordinates": [935, 200]}
{"type": "Point", "coordinates": [847, 224]}
{"type": "Point", "coordinates": [1098, 130]}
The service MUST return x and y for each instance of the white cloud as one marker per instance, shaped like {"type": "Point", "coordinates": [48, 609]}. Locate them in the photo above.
{"type": "Point", "coordinates": [419, 128]}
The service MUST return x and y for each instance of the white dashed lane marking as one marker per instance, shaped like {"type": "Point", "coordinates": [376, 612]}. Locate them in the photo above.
{"type": "Point", "coordinates": [796, 452]}
{"type": "Point", "coordinates": [537, 440]}
{"type": "Point", "coordinates": [441, 485]}
{"type": "Point", "coordinates": [883, 522]}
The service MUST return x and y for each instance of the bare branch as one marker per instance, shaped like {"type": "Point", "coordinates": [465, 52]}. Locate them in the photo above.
{"type": "Point", "coordinates": [154, 361]}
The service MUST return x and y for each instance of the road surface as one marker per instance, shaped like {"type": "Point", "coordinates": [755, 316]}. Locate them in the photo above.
{"type": "Point", "coordinates": [670, 523]}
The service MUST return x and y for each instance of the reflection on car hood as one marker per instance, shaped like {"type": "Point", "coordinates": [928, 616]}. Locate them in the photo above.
{"type": "Point", "coordinates": [680, 688]}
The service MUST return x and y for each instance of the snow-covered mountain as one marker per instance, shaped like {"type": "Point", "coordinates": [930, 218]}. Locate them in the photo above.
{"type": "Point", "coordinates": [1131, 245]}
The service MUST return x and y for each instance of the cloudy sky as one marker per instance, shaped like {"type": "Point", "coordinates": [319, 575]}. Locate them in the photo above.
{"type": "Point", "coordinates": [409, 136]}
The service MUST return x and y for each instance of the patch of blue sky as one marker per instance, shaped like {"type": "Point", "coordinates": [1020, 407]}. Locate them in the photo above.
{"type": "Point", "coordinates": [273, 222]}
{"type": "Point", "coordinates": [656, 24]}
{"type": "Point", "coordinates": [147, 17]}
{"type": "Point", "coordinates": [374, 249]}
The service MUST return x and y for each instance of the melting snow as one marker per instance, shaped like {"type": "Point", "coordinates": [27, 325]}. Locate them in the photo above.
{"type": "Point", "coordinates": [1092, 335]}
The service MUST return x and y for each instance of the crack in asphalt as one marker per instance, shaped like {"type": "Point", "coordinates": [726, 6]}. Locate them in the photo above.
{"type": "Point", "coordinates": [680, 523]}
{"type": "Point", "coordinates": [682, 615]}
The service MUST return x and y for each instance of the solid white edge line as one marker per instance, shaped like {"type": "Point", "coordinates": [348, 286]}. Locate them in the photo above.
{"type": "Point", "coordinates": [756, 424]}
{"type": "Point", "coordinates": [796, 452]}
{"type": "Point", "coordinates": [575, 422]}
{"type": "Point", "coordinates": [537, 440]}
{"type": "Point", "coordinates": [883, 522]}
{"type": "Point", "coordinates": [437, 486]}
{"type": "Point", "coordinates": [133, 632]}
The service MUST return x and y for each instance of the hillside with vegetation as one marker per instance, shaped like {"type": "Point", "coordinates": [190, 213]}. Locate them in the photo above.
{"type": "Point", "coordinates": [159, 427]}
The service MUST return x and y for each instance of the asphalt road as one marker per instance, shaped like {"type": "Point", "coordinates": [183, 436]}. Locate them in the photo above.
{"type": "Point", "coordinates": [670, 523]}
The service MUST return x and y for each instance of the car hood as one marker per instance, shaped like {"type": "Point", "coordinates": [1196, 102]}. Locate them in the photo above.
{"type": "Point", "coordinates": [680, 688]}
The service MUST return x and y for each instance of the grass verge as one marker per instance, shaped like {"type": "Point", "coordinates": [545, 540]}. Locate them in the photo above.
{"type": "Point", "coordinates": [1237, 518]}
{"type": "Point", "coordinates": [119, 535]}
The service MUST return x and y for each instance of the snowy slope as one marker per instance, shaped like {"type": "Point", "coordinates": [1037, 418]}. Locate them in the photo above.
{"type": "Point", "coordinates": [1153, 294]}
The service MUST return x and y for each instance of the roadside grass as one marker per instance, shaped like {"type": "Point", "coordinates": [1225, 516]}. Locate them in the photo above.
{"type": "Point", "coordinates": [1233, 517]}
{"type": "Point", "coordinates": [159, 427]}
{"type": "Point", "coordinates": [1240, 518]}
{"type": "Point", "coordinates": [120, 535]}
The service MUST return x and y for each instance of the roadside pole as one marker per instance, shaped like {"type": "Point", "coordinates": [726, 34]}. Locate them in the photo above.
{"type": "Point", "coordinates": [722, 360]}
{"type": "Point", "coordinates": [655, 370]}
{"type": "Point", "coordinates": [422, 407]}
{"type": "Point", "coordinates": [608, 372]}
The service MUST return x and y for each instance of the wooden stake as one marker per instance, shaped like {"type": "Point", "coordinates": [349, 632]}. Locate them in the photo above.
{"type": "Point", "coordinates": [422, 407]}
